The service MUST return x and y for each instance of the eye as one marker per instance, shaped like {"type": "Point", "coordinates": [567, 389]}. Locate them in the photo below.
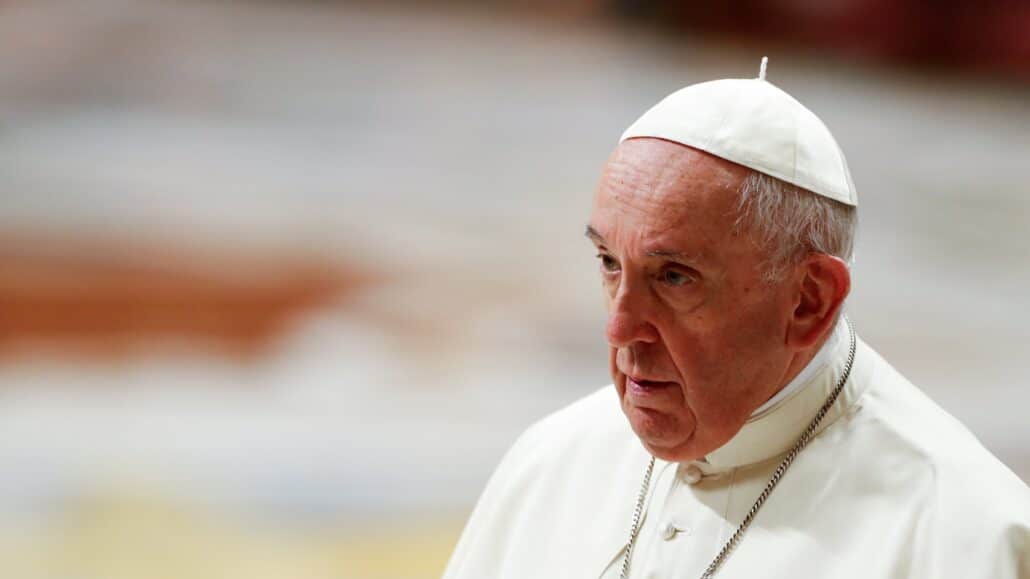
{"type": "Point", "coordinates": [675, 277]}
{"type": "Point", "coordinates": [608, 263]}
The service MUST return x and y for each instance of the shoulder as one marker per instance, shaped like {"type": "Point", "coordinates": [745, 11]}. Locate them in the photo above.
{"type": "Point", "coordinates": [566, 451]}
{"type": "Point", "coordinates": [896, 460]}
{"type": "Point", "coordinates": [966, 496]}
{"type": "Point", "coordinates": [598, 412]}
{"type": "Point", "coordinates": [590, 431]}
{"type": "Point", "coordinates": [930, 438]}
{"type": "Point", "coordinates": [567, 472]}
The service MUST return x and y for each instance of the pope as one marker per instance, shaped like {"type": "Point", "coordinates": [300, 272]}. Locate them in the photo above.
{"type": "Point", "coordinates": [750, 432]}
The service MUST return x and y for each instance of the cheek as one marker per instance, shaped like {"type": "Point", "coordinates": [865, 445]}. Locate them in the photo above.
{"type": "Point", "coordinates": [723, 371]}
{"type": "Point", "coordinates": [612, 363]}
{"type": "Point", "coordinates": [711, 369]}
{"type": "Point", "coordinates": [691, 350]}
{"type": "Point", "coordinates": [709, 372]}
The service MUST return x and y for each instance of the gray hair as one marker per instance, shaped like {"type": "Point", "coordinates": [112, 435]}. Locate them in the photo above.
{"type": "Point", "coordinates": [791, 222]}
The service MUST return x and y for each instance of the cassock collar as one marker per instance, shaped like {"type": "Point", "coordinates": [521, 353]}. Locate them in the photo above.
{"type": "Point", "coordinates": [775, 427]}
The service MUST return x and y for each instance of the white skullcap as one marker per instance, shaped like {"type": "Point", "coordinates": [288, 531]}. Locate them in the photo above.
{"type": "Point", "coordinates": [753, 123]}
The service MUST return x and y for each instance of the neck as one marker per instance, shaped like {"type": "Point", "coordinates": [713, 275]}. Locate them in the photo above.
{"type": "Point", "coordinates": [777, 424]}
{"type": "Point", "coordinates": [798, 365]}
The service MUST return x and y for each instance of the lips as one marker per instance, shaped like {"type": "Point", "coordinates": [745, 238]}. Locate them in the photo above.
{"type": "Point", "coordinates": [645, 385]}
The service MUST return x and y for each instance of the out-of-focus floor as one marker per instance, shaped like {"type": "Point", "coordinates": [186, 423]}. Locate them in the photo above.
{"type": "Point", "coordinates": [450, 155]}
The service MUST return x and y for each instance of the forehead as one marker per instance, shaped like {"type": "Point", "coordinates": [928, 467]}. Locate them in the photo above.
{"type": "Point", "coordinates": [656, 190]}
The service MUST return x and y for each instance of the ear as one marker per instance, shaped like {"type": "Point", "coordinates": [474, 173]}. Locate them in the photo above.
{"type": "Point", "coordinates": [823, 283]}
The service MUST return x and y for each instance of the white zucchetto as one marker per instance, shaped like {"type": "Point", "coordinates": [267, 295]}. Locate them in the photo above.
{"type": "Point", "coordinates": [753, 123]}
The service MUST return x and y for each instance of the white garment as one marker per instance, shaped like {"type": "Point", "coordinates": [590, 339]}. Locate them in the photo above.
{"type": "Point", "coordinates": [890, 487]}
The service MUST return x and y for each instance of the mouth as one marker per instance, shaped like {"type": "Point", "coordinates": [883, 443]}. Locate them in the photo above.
{"type": "Point", "coordinates": [642, 386]}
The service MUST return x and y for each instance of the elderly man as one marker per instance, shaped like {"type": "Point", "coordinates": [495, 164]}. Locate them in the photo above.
{"type": "Point", "coordinates": [749, 432]}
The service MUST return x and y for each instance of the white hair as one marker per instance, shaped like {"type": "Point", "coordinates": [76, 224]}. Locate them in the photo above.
{"type": "Point", "coordinates": [791, 222]}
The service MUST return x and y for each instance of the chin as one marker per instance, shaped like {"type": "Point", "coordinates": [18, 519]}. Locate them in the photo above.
{"type": "Point", "coordinates": [674, 454]}
{"type": "Point", "coordinates": [684, 452]}
{"type": "Point", "coordinates": [663, 435]}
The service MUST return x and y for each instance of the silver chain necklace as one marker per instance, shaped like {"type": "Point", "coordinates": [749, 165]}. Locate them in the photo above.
{"type": "Point", "coordinates": [802, 441]}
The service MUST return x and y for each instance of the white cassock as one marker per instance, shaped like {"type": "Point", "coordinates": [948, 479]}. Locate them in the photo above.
{"type": "Point", "coordinates": [890, 487]}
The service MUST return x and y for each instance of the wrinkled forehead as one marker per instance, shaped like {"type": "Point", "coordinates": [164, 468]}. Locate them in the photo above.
{"type": "Point", "coordinates": [668, 185]}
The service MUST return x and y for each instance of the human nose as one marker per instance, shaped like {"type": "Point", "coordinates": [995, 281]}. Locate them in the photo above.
{"type": "Point", "coordinates": [628, 320]}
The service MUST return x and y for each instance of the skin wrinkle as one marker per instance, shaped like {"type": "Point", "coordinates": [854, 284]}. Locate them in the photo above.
{"type": "Point", "coordinates": [699, 327]}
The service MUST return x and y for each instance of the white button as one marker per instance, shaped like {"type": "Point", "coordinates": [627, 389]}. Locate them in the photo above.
{"type": "Point", "coordinates": [669, 532]}
{"type": "Point", "coordinates": [693, 474]}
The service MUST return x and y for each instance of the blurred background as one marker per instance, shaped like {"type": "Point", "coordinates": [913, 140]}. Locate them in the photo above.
{"type": "Point", "coordinates": [280, 281]}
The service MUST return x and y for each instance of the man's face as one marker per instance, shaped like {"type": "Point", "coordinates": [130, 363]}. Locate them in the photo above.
{"type": "Point", "coordinates": [697, 338]}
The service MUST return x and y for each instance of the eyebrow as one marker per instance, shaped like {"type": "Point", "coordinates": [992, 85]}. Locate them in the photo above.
{"type": "Point", "coordinates": [664, 253]}
{"type": "Point", "coordinates": [677, 255]}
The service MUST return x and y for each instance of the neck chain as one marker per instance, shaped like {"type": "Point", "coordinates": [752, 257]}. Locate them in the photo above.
{"type": "Point", "coordinates": [802, 441]}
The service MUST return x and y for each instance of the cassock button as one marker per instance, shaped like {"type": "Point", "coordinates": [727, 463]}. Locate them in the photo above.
{"type": "Point", "coordinates": [693, 474]}
{"type": "Point", "coordinates": [669, 532]}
